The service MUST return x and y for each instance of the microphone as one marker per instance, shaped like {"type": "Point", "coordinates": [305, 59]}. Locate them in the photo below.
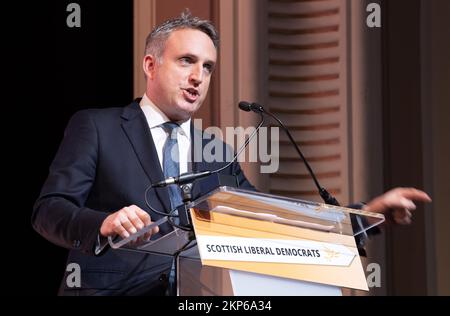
{"type": "Point", "coordinates": [255, 107]}
{"type": "Point", "coordinates": [191, 176]}
{"type": "Point", "coordinates": [247, 107]}
{"type": "Point", "coordinates": [182, 179]}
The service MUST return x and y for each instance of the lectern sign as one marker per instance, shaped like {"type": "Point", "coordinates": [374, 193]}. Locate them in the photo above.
{"type": "Point", "coordinates": [273, 250]}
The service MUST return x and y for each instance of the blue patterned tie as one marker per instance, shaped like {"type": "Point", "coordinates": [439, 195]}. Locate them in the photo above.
{"type": "Point", "coordinates": [171, 162]}
{"type": "Point", "coordinates": [171, 168]}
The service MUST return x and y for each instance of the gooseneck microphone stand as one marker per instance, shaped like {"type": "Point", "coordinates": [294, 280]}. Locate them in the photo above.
{"type": "Point", "coordinates": [326, 196]}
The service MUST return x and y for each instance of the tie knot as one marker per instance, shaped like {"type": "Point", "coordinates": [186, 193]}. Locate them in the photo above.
{"type": "Point", "coordinates": [170, 126]}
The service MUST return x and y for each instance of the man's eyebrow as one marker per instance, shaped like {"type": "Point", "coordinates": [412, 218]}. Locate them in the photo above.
{"type": "Point", "coordinates": [211, 62]}
{"type": "Point", "coordinates": [189, 55]}
{"type": "Point", "coordinates": [195, 57]}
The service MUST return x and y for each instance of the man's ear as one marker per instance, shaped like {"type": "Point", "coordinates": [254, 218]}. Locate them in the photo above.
{"type": "Point", "coordinates": [149, 65]}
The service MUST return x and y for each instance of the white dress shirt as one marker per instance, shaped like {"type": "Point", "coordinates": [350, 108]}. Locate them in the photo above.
{"type": "Point", "coordinates": [155, 118]}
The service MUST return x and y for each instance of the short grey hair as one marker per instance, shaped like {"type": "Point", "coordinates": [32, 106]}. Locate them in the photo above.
{"type": "Point", "coordinates": [156, 40]}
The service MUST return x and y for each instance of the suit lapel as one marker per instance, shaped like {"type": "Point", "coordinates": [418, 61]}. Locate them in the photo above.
{"type": "Point", "coordinates": [136, 128]}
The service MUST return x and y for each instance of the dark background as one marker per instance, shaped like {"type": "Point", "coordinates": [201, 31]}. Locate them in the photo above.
{"type": "Point", "coordinates": [60, 70]}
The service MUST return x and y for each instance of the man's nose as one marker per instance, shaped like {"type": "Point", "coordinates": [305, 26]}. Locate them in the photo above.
{"type": "Point", "coordinates": [196, 75]}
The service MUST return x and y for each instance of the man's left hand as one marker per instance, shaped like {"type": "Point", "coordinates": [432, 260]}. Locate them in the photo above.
{"type": "Point", "coordinates": [397, 204]}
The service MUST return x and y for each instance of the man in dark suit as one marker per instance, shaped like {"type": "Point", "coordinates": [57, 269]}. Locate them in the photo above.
{"type": "Point", "coordinates": [108, 158]}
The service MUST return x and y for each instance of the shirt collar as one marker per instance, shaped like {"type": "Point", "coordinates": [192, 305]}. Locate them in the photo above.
{"type": "Point", "coordinates": [155, 117]}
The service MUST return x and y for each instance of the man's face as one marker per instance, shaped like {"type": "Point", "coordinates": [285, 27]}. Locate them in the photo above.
{"type": "Point", "coordinates": [178, 84]}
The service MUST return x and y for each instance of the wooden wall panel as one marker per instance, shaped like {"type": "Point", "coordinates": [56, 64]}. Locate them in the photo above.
{"type": "Point", "coordinates": [308, 91]}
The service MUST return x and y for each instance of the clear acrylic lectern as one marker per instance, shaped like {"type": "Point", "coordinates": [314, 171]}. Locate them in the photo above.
{"type": "Point", "coordinates": [266, 213]}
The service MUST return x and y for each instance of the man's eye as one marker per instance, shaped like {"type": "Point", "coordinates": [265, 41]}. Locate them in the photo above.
{"type": "Point", "coordinates": [185, 60]}
{"type": "Point", "coordinates": [209, 68]}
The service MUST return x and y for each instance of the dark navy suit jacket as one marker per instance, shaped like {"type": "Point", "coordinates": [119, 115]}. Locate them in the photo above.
{"type": "Point", "coordinates": [106, 161]}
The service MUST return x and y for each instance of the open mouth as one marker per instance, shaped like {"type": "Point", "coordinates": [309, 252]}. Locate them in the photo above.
{"type": "Point", "coordinates": [191, 94]}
